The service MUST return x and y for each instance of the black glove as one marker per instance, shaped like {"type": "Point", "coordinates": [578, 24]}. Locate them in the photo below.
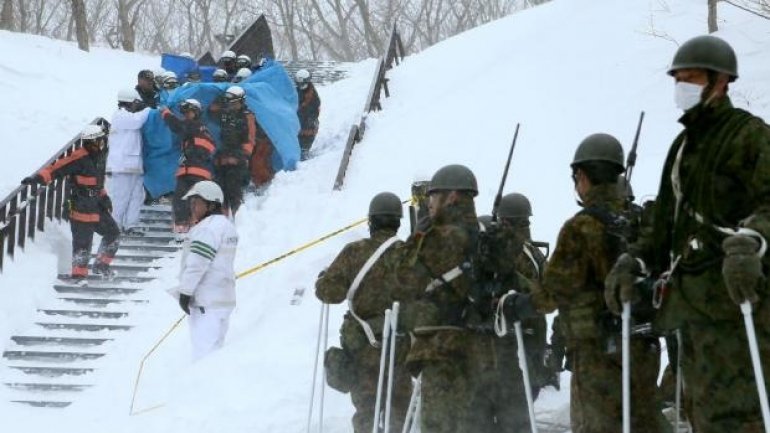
{"type": "Point", "coordinates": [184, 302]}
{"type": "Point", "coordinates": [742, 268]}
{"type": "Point", "coordinates": [106, 203]}
{"type": "Point", "coordinates": [32, 180]}
{"type": "Point", "coordinates": [620, 283]}
{"type": "Point", "coordinates": [518, 306]}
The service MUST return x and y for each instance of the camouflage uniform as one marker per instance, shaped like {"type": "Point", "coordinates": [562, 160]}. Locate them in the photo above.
{"type": "Point", "coordinates": [371, 300]}
{"type": "Point", "coordinates": [439, 350]}
{"type": "Point", "coordinates": [574, 279]}
{"type": "Point", "coordinates": [723, 156]}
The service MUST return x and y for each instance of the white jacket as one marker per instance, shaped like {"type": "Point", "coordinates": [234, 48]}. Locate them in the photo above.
{"type": "Point", "coordinates": [125, 155]}
{"type": "Point", "coordinates": [207, 273]}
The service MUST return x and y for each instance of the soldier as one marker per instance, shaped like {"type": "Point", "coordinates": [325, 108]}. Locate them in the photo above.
{"type": "Point", "coordinates": [197, 148]}
{"type": "Point", "coordinates": [514, 213]}
{"type": "Point", "coordinates": [711, 215]}
{"type": "Point", "coordinates": [308, 111]}
{"type": "Point", "coordinates": [361, 330]}
{"type": "Point", "coordinates": [497, 399]}
{"type": "Point", "coordinates": [587, 246]}
{"type": "Point", "coordinates": [89, 204]}
{"type": "Point", "coordinates": [435, 291]}
{"type": "Point", "coordinates": [238, 131]}
{"type": "Point", "coordinates": [146, 88]}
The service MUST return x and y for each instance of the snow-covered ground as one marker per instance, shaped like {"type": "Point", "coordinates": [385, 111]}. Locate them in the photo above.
{"type": "Point", "coordinates": [563, 70]}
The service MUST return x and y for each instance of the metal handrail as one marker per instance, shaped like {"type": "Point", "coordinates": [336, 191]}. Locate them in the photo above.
{"type": "Point", "coordinates": [395, 53]}
{"type": "Point", "coordinates": [24, 210]}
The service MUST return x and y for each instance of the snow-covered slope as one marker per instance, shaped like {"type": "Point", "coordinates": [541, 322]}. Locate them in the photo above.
{"type": "Point", "coordinates": [563, 70]}
{"type": "Point", "coordinates": [50, 90]}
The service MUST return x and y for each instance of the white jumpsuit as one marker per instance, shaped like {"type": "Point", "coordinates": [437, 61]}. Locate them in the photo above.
{"type": "Point", "coordinates": [125, 166]}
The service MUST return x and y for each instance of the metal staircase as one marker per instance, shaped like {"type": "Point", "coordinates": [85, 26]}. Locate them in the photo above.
{"type": "Point", "coordinates": [52, 362]}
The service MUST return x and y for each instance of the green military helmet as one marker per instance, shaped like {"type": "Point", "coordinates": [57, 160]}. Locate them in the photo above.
{"type": "Point", "coordinates": [386, 203]}
{"type": "Point", "coordinates": [454, 177]}
{"type": "Point", "coordinates": [514, 205]}
{"type": "Point", "coordinates": [599, 147]}
{"type": "Point", "coordinates": [706, 52]}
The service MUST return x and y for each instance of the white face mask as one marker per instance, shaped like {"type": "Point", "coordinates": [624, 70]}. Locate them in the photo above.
{"type": "Point", "coordinates": [687, 95]}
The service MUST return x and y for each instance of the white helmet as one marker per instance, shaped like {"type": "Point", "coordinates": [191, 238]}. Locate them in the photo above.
{"type": "Point", "coordinates": [236, 91]}
{"type": "Point", "coordinates": [206, 190]}
{"type": "Point", "coordinates": [129, 94]}
{"type": "Point", "coordinates": [91, 132]}
{"type": "Point", "coordinates": [220, 75]}
{"type": "Point", "coordinates": [188, 104]}
{"type": "Point", "coordinates": [187, 54]}
{"type": "Point", "coordinates": [169, 74]}
{"type": "Point", "coordinates": [243, 60]}
{"type": "Point", "coordinates": [227, 55]}
{"type": "Point", "coordinates": [303, 75]}
{"type": "Point", "coordinates": [242, 74]}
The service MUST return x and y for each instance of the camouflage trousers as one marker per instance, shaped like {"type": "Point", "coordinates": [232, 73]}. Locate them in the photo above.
{"type": "Point", "coordinates": [497, 399]}
{"type": "Point", "coordinates": [444, 396]}
{"type": "Point", "coordinates": [719, 377]}
{"type": "Point", "coordinates": [596, 404]}
{"type": "Point", "coordinates": [363, 393]}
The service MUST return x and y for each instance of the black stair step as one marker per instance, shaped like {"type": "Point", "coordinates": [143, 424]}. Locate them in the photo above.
{"type": "Point", "coordinates": [136, 258]}
{"type": "Point", "coordinates": [156, 210]}
{"type": "Point", "coordinates": [171, 248]}
{"type": "Point", "coordinates": [101, 303]}
{"type": "Point", "coordinates": [126, 269]}
{"type": "Point", "coordinates": [159, 238]}
{"type": "Point", "coordinates": [44, 356]}
{"type": "Point", "coordinates": [47, 387]}
{"type": "Point", "coordinates": [32, 340]}
{"type": "Point", "coordinates": [95, 290]}
{"type": "Point", "coordinates": [52, 371]}
{"type": "Point", "coordinates": [42, 403]}
{"type": "Point", "coordinates": [91, 327]}
{"type": "Point", "coordinates": [82, 313]}
{"type": "Point", "coordinates": [156, 220]}
{"type": "Point", "coordinates": [98, 279]}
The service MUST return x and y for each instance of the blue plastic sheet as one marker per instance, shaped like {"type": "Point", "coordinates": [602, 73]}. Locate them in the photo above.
{"type": "Point", "coordinates": [270, 94]}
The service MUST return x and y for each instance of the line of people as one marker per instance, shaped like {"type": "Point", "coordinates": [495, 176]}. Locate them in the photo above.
{"type": "Point", "coordinates": [684, 263]}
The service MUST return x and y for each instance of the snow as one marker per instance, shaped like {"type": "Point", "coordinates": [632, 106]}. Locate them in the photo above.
{"type": "Point", "coordinates": [562, 70]}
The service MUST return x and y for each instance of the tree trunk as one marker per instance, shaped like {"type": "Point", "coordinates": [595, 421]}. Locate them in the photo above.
{"type": "Point", "coordinates": [6, 16]}
{"type": "Point", "coordinates": [81, 23]}
{"type": "Point", "coordinates": [127, 35]}
{"type": "Point", "coordinates": [712, 18]}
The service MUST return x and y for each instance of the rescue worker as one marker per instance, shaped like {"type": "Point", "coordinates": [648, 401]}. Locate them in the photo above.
{"type": "Point", "coordinates": [197, 149]}
{"type": "Point", "coordinates": [361, 331]}
{"type": "Point", "coordinates": [241, 75]}
{"type": "Point", "coordinates": [89, 204]}
{"type": "Point", "coordinates": [710, 220]}
{"type": "Point", "coordinates": [146, 88]}
{"type": "Point", "coordinates": [587, 246]}
{"type": "Point", "coordinates": [243, 61]}
{"type": "Point", "coordinates": [514, 215]}
{"type": "Point", "coordinates": [227, 62]}
{"type": "Point", "coordinates": [261, 164]}
{"type": "Point", "coordinates": [124, 161]}
{"type": "Point", "coordinates": [435, 293]}
{"type": "Point", "coordinates": [308, 111]}
{"type": "Point", "coordinates": [207, 275]}
{"type": "Point", "coordinates": [170, 82]}
{"type": "Point", "coordinates": [220, 76]}
{"type": "Point", "coordinates": [238, 133]}
{"type": "Point", "coordinates": [193, 76]}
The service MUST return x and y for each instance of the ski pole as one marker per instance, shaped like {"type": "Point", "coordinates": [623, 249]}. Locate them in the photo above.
{"type": "Point", "coordinates": [411, 412]}
{"type": "Point", "coordinates": [315, 366]}
{"type": "Point", "coordinates": [678, 394]}
{"type": "Point", "coordinates": [392, 364]}
{"type": "Point", "coordinates": [525, 374]}
{"type": "Point", "coordinates": [323, 376]}
{"type": "Point", "coordinates": [626, 340]}
{"type": "Point", "coordinates": [383, 355]}
{"type": "Point", "coordinates": [759, 376]}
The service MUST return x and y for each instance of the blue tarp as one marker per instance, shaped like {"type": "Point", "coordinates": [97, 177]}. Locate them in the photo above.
{"type": "Point", "coordinates": [270, 94]}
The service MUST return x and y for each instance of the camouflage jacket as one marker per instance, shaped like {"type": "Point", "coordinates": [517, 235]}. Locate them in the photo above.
{"type": "Point", "coordinates": [436, 317]}
{"type": "Point", "coordinates": [574, 276]}
{"type": "Point", "coordinates": [723, 159]}
{"type": "Point", "coordinates": [374, 295]}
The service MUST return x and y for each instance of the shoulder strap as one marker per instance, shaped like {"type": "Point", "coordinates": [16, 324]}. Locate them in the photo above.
{"type": "Point", "coordinates": [357, 282]}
